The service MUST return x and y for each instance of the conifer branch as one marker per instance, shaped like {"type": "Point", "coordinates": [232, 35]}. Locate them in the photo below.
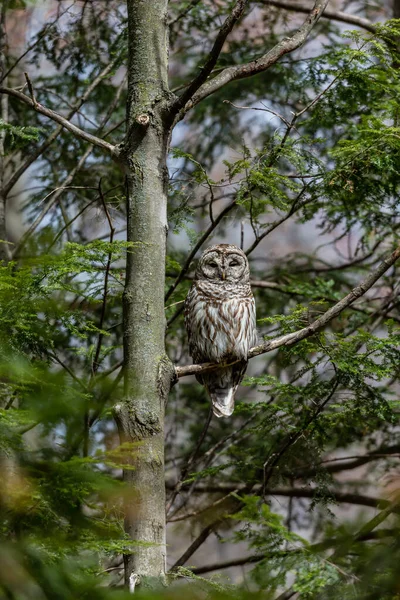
{"type": "Point", "coordinates": [293, 338]}
{"type": "Point", "coordinates": [319, 546]}
{"type": "Point", "coordinates": [357, 499]}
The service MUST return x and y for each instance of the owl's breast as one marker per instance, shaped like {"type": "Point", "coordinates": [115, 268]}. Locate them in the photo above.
{"type": "Point", "coordinates": [219, 328]}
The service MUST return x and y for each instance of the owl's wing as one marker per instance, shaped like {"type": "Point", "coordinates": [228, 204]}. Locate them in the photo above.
{"type": "Point", "coordinates": [190, 323]}
{"type": "Point", "coordinates": [222, 384]}
{"type": "Point", "coordinates": [227, 331]}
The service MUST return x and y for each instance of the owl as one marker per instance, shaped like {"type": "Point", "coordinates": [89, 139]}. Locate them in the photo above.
{"type": "Point", "coordinates": [220, 318]}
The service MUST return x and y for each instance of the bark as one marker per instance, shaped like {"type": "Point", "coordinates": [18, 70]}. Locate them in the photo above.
{"type": "Point", "coordinates": [4, 248]}
{"type": "Point", "coordinates": [140, 416]}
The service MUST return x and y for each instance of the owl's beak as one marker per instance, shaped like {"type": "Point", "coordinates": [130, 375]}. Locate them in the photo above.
{"type": "Point", "coordinates": [223, 274]}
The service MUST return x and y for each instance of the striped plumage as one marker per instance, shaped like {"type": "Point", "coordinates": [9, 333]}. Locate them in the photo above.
{"type": "Point", "coordinates": [220, 318]}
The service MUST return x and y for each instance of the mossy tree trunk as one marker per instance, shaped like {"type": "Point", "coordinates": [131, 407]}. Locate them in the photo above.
{"type": "Point", "coordinates": [140, 416]}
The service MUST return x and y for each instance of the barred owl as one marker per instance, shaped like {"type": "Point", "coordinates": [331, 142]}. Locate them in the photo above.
{"type": "Point", "coordinates": [220, 319]}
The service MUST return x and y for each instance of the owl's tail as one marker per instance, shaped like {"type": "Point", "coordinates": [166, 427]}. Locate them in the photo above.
{"type": "Point", "coordinates": [221, 386]}
{"type": "Point", "coordinates": [223, 401]}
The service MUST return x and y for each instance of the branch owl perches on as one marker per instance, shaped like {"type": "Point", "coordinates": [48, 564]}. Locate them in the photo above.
{"type": "Point", "coordinates": [220, 318]}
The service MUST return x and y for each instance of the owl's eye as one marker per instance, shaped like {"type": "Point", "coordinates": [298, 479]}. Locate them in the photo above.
{"type": "Point", "coordinates": [213, 264]}
{"type": "Point", "coordinates": [234, 263]}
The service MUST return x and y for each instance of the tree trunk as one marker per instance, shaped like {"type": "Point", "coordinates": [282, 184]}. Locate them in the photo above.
{"type": "Point", "coordinates": [4, 249]}
{"type": "Point", "coordinates": [140, 417]}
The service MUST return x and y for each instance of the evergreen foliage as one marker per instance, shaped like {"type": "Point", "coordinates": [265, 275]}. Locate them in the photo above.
{"type": "Point", "coordinates": [319, 145]}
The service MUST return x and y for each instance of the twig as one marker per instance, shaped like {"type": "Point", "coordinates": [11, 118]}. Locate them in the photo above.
{"type": "Point", "coordinates": [56, 194]}
{"type": "Point", "coordinates": [296, 206]}
{"type": "Point", "coordinates": [29, 48]}
{"type": "Point", "coordinates": [50, 139]}
{"type": "Point", "coordinates": [190, 461]}
{"type": "Point", "coordinates": [215, 566]}
{"type": "Point", "coordinates": [292, 438]}
{"type": "Point", "coordinates": [265, 109]}
{"type": "Point", "coordinates": [30, 88]}
{"type": "Point", "coordinates": [201, 538]}
{"type": "Point", "coordinates": [196, 513]}
{"type": "Point", "coordinates": [107, 394]}
{"type": "Point", "coordinates": [201, 241]}
{"type": "Point", "coordinates": [184, 12]}
{"type": "Point", "coordinates": [64, 366]}
{"type": "Point", "coordinates": [78, 214]}
{"type": "Point", "coordinates": [175, 315]}
{"type": "Point", "coordinates": [80, 164]}
{"type": "Point", "coordinates": [95, 363]}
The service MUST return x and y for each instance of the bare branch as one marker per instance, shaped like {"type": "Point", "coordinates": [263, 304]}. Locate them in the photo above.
{"type": "Point", "coordinates": [47, 112]}
{"type": "Point", "coordinates": [67, 369]}
{"type": "Point", "coordinates": [300, 493]}
{"type": "Point", "coordinates": [293, 338]}
{"type": "Point", "coordinates": [289, 492]}
{"type": "Point", "coordinates": [30, 88]}
{"type": "Point", "coordinates": [201, 241]}
{"type": "Point", "coordinates": [189, 462]}
{"type": "Point", "coordinates": [184, 12]}
{"type": "Point", "coordinates": [334, 15]}
{"type": "Point", "coordinates": [40, 36]}
{"type": "Point", "coordinates": [211, 61]}
{"type": "Point", "coordinates": [96, 364]}
{"type": "Point", "coordinates": [196, 513]}
{"type": "Point", "coordinates": [56, 193]}
{"type": "Point", "coordinates": [236, 562]}
{"type": "Point", "coordinates": [78, 214]}
{"type": "Point", "coordinates": [201, 538]}
{"type": "Point", "coordinates": [263, 63]}
{"type": "Point", "coordinates": [349, 462]}
{"type": "Point", "coordinates": [296, 206]}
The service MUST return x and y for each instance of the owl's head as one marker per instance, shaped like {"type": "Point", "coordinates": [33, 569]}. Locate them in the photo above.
{"type": "Point", "coordinates": [224, 262]}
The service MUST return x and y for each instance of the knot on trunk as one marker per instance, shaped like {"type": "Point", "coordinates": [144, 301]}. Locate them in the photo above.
{"type": "Point", "coordinates": [143, 119]}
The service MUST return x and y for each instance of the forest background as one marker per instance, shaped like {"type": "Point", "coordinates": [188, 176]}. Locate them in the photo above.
{"type": "Point", "coordinates": [273, 125]}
